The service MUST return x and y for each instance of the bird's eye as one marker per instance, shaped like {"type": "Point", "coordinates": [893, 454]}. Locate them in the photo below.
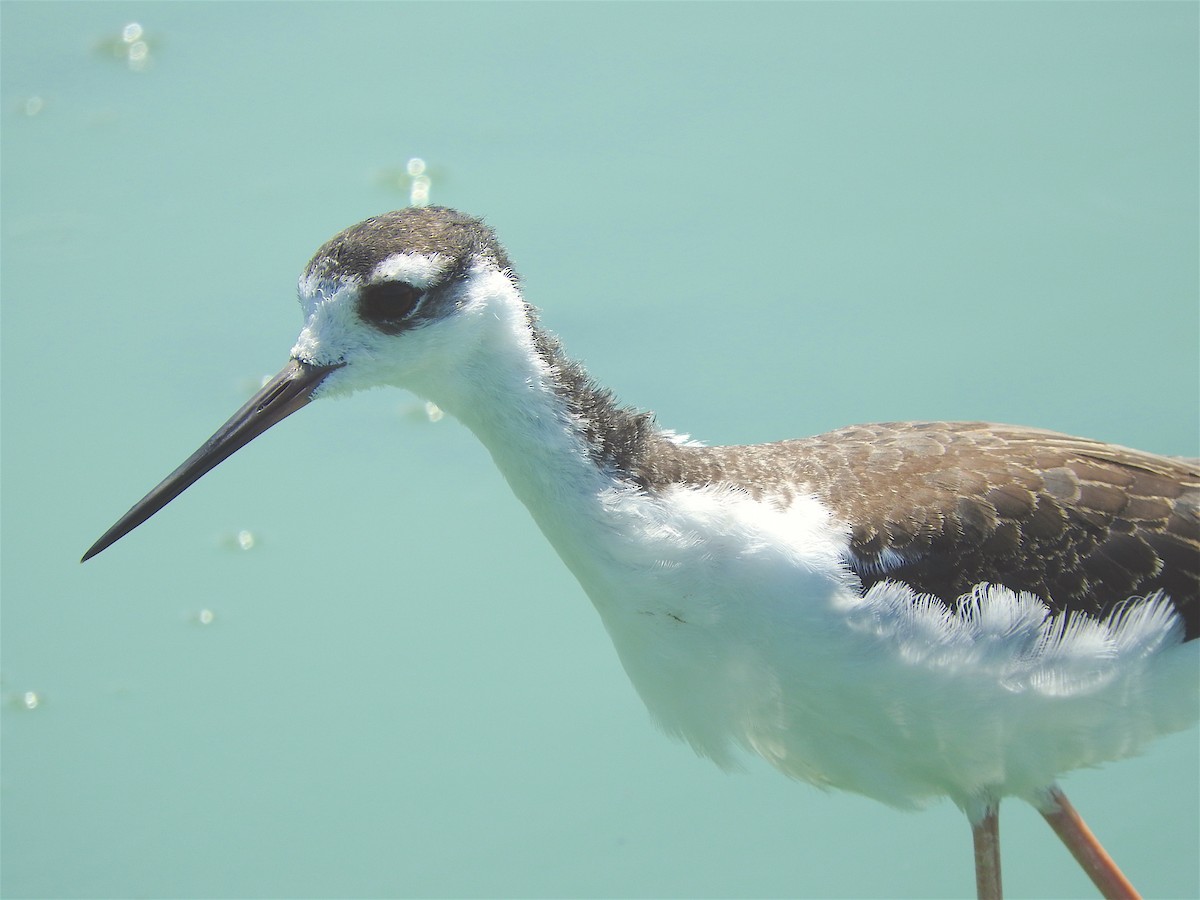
{"type": "Point", "coordinates": [388, 305]}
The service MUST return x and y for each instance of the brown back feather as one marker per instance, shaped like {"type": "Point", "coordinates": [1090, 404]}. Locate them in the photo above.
{"type": "Point", "coordinates": [945, 505]}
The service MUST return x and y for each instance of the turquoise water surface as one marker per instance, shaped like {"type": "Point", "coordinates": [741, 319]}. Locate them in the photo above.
{"type": "Point", "coordinates": [346, 664]}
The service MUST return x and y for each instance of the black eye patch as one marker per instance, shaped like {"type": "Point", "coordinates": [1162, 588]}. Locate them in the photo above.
{"type": "Point", "coordinates": [388, 305]}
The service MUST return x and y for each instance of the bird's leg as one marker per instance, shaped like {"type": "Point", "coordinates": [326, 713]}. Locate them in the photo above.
{"type": "Point", "coordinates": [1083, 845]}
{"type": "Point", "coordinates": [986, 833]}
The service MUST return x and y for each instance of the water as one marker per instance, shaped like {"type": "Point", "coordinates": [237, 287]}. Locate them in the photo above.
{"type": "Point", "coordinates": [346, 664]}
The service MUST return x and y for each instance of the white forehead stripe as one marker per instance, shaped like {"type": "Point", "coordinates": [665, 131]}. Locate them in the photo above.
{"type": "Point", "coordinates": [415, 268]}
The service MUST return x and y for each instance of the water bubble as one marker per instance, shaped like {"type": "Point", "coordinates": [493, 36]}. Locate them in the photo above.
{"type": "Point", "coordinates": [139, 55]}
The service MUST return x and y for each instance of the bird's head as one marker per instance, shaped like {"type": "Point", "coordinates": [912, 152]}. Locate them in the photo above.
{"type": "Point", "coordinates": [405, 299]}
{"type": "Point", "coordinates": [398, 300]}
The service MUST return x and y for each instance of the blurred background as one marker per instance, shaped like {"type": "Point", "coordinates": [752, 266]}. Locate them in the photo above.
{"type": "Point", "coordinates": [346, 663]}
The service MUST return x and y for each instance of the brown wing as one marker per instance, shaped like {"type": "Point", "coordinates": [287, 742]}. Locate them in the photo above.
{"type": "Point", "coordinates": [943, 506]}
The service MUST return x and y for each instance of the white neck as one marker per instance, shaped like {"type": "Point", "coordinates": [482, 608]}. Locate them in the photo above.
{"type": "Point", "coordinates": [507, 394]}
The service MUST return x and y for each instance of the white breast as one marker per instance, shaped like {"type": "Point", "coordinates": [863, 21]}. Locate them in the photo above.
{"type": "Point", "coordinates": [741, 629]}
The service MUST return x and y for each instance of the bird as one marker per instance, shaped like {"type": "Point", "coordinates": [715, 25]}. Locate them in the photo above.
{"type": "Point", "coordinates": [910, 611]}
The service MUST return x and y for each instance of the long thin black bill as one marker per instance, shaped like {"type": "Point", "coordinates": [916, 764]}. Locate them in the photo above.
{"type": "Point", "coordinates": [287, 392]}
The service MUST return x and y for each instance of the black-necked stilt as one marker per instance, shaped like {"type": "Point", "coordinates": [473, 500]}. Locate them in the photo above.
{"type": "Point", "coordinates": [909, 611]}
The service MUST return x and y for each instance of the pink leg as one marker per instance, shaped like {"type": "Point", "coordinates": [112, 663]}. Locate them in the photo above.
{"type": "Point", "coordinates": [986, 833]}
{"type": "Point", "coordinates": [1086, 849]}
